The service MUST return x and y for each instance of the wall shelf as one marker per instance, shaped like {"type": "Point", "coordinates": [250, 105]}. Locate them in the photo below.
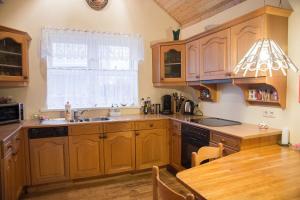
{"type": "Point", "coordinates": [276, 84]}
{"type": "Point", "coordinates": [206, 89]}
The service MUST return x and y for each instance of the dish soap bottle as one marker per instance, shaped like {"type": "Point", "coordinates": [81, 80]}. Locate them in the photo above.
{"type": "Point", "coordinates": [68, 115]}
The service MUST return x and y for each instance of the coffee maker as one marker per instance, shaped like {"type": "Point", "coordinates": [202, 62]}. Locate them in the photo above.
{"type": "Point", "coordinates": [166, 105]}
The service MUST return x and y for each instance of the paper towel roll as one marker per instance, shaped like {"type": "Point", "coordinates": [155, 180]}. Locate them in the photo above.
{"type": "Point", "coordinates": [285, 137]}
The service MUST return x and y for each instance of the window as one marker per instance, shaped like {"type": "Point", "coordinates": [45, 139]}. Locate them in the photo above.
{"type": "Point", "coordinates": [91, 69]}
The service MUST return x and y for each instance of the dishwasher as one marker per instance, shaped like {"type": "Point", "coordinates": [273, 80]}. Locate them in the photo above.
{"type": "Point", "coordinates": [192, 138]}
{"type": "Point", "coordinates": [48, 151]}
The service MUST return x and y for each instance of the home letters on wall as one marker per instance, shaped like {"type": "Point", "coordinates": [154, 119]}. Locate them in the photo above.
{"type": "Point", "coordinates": [96, 4]}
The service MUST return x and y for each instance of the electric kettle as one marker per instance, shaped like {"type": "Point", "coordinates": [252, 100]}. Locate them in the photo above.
{"type": "Point", "coordinates": [189, 107]}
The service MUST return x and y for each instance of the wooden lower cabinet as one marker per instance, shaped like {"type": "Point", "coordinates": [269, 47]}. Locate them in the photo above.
{"type": "Point", "coordinates": [86, 156]}
{"type": "Point", "coordinates": [151, 148]}
{"type": "Point", "coordinates": [49, 160]}
{"type": "Point", "coordinates": [8, 178]}
{"type": "Point", "coordinates": [175, 156]}
{"type": "Point", "coordinates": [226, 151]}
{"type": "Point", "coordinates": [119, 152]}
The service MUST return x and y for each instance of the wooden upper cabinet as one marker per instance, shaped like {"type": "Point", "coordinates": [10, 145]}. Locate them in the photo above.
{"type": "Point", "coordinates": [49, 160]}
{"type": "Point", "coordinates": [151, 148]}
{"type": "Point", "coordinates": [214, 54]}
{"type": "Point", "coordinates": [13, 58]}
{"type": "Point", "coordinates": [243, 36]}
{"type": "Point", "coordinates": [192, 61]}
{"type": "Point", "coordinates": [86, 156]}
{"type": "Point", "coordinates": [119, 152]}
{"type": "Point", "coordinates": [172, 62]}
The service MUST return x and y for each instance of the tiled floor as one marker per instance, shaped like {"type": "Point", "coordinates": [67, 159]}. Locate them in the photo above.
{"type": "Point", "coordinates": [123, 187]}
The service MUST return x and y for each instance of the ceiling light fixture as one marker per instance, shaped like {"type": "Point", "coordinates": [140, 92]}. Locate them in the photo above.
{"type": "Point", "coordinates": [265, 56]}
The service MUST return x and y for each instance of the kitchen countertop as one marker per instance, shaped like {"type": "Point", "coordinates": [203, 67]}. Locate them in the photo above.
{"type": "Point", "coordinates": [243, 131]}
{"type": "Point", "coordinates": [269, 172]}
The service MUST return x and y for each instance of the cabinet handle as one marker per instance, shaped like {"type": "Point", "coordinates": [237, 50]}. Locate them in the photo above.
{"type": "Point", "coordinates": [25, 77]}
{"type": "Point", "coordinates": [162, 79]}
{"type": "Point", "coordinates": [137, 134]}
{"type": "Point", "coordinates": [197, 76]}
{"type": "Point", "coordinates": [151, 125]}
{"type": "Point", "coordinates": [228, 74]}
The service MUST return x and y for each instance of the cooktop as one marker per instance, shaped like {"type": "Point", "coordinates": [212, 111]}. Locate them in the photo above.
{"type": "Point", "coordinates": [216, 122]}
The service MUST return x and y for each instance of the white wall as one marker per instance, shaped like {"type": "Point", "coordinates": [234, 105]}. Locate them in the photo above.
{"type": "Point", "coordinates": [232, 104]}
{"type": "Point", "coordinates": [126, 16]}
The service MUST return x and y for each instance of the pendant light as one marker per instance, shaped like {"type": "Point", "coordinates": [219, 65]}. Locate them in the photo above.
{"type": "Point", "coordinates": [265, 56]}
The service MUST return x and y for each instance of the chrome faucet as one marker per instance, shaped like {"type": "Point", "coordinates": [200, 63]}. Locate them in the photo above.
{"type": "Point", "coordinates": [77, 114]}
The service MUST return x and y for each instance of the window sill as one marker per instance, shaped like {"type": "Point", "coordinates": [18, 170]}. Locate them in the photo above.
{"type": "Point", "coordinates": [89, 109]}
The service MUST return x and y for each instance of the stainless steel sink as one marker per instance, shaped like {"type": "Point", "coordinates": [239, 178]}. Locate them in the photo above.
{"type": "Point", "coordinates": [96, 119]}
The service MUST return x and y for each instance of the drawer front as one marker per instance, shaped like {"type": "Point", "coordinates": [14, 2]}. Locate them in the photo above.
{"type": "Point", "coordinates": [226, 151]}
{"type": "Point", "coordinates": [152, 124]}
{"type": "Point", "coordinates": [175, 125]}
{"type": "Point", "coordinates": [7, 147]}
{"type": "Point", "coordinates": [118, 127]}
{"type": "Point", "coordinates": [85, 129]}
{"type": "Point", "coordinates": [226, 140]}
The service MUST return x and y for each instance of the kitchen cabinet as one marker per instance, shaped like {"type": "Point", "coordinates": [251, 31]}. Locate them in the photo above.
{"type": "Point", "coordinates": [86, 156]}
{"type": "Point", "coordinates": [13, 57]}
{"type": "Point", "coordinates": [214, 51]}
{"type": "Point", "coordinates": [13, 170]}
{"type": "Point", "coordinates": [168, 64]}
{"type": "Point", "coordinates": [192, 61]}
{"type": "Point", "coordinates": [151, 148]}
{"type": "Point", "coordinates": [49, 160]}
{"type": "Point", "coordinates": [175, 159]}
{"type": "Point", "coordinates": [119, 152]}
{"type": "Point", "coordinates": [243, 36]}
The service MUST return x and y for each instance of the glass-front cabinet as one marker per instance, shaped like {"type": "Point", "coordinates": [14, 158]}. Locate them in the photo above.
{"type": "Point", "coordinates": [13, 57]}
{"type": "Point", "coordinates": [172, 68]}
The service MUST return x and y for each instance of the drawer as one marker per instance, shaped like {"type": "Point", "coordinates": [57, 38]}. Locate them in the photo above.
{"type": "Point", "coordinates": [151, 124]}
{"type": "Point", "coordinates": [7, 147]}
{"type": "Point", "coordinates": [118, 127]}
{"type": "Point", "coordinates": [175, 125]}
{"type": "Point", "coordinates": [226, 140]}
{"type": "Point", "coordinates": [226, 151]}
{"type": "Point", "coordinates": [85, 129]}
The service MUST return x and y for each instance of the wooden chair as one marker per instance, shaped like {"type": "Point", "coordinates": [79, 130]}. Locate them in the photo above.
{"type": "Point", "coordinates": [163, 191]}
{"type": "Point", "coordinates": [207, 153]}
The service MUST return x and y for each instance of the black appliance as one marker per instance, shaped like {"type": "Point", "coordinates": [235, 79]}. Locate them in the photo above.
{"type": "Point", "coordinates": [215, 122]}
{"type": "Point", "coordinates": [36, 133]}
{"type": "Point", "coordinates": [10, 113]}
{"type": "Point", "coordinates": [192, 138]}
{"type": "Point", "coordinates": [167, 105]}
{"type": "Point", "coordinates": [189, 107]}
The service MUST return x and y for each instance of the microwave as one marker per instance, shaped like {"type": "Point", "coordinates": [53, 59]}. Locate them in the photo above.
{"type": "Point", "coordinates": [10, 113]}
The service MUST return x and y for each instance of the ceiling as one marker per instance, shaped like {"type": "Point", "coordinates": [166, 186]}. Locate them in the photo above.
{"type": "Point", "coordinates": [191, 11]}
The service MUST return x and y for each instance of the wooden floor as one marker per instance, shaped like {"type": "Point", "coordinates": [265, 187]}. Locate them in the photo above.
{"type": "Point", "coordinates": [123, 187]}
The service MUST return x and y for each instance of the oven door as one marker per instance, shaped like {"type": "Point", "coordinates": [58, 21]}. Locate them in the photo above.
{"type": "Point", "coordinates": [188, 146]}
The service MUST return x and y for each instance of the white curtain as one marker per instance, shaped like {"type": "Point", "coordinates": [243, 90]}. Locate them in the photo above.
{"type": "Point", "coordinates": [91, 69]}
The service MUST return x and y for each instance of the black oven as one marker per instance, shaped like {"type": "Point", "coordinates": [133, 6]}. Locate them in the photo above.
{"type": "Point", "coordinates": [10, 113]}
{"type": "Point", "coordinates": [192, 139]}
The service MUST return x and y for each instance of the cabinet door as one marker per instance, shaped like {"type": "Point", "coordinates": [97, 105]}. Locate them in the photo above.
{"type": "Point", "coordinates": [172, 60]}
{"type": "Point", "coordinates": [86, 156]}
{"type": "Point", "coordinates": [243, 36]}
{"type": "Point", "coordinates": [215, 55]}
{"type": "Point", "coordinates": [119, 152]}
{"type": "Point", "coordinates": [13, 57]}
{"type": "Point", "coordinates": [49, 159]}
{"type": "Point", "coordinates": [176, 150]}
{"type": "Point", "coordinates": [192, 61]}
{"type": "Point", "coordinates": [19, 162]}
{"type": "Point", "coordinates": [151, 148]}
{"type": "Point", "coordinates": [9, 178]}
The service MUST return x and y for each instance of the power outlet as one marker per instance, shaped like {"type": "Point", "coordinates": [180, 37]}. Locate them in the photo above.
{"type": "Point", "coordinates": [269, 114]}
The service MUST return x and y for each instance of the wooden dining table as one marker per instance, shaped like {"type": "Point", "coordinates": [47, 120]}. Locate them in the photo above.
{"type": "Point", "coordinates": [264, 173]}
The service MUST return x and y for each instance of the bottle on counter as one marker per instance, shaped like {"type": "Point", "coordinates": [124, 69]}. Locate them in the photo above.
{"type": "Point", "coordinates": [68, 111]}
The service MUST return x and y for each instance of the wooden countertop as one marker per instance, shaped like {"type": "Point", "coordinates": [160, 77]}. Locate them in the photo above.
{"type": "Point", "coordinates": [8, 130]}
{"type": "Point", "coordinates": [270, 172]}
{"type": "Point", "coordinates": [243, 131]}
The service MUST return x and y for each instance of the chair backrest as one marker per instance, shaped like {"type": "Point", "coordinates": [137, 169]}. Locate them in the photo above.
{"type": "Point", "coordinates": [160, 189]}
{"type": "Point", "coordinates": [207, 153]}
